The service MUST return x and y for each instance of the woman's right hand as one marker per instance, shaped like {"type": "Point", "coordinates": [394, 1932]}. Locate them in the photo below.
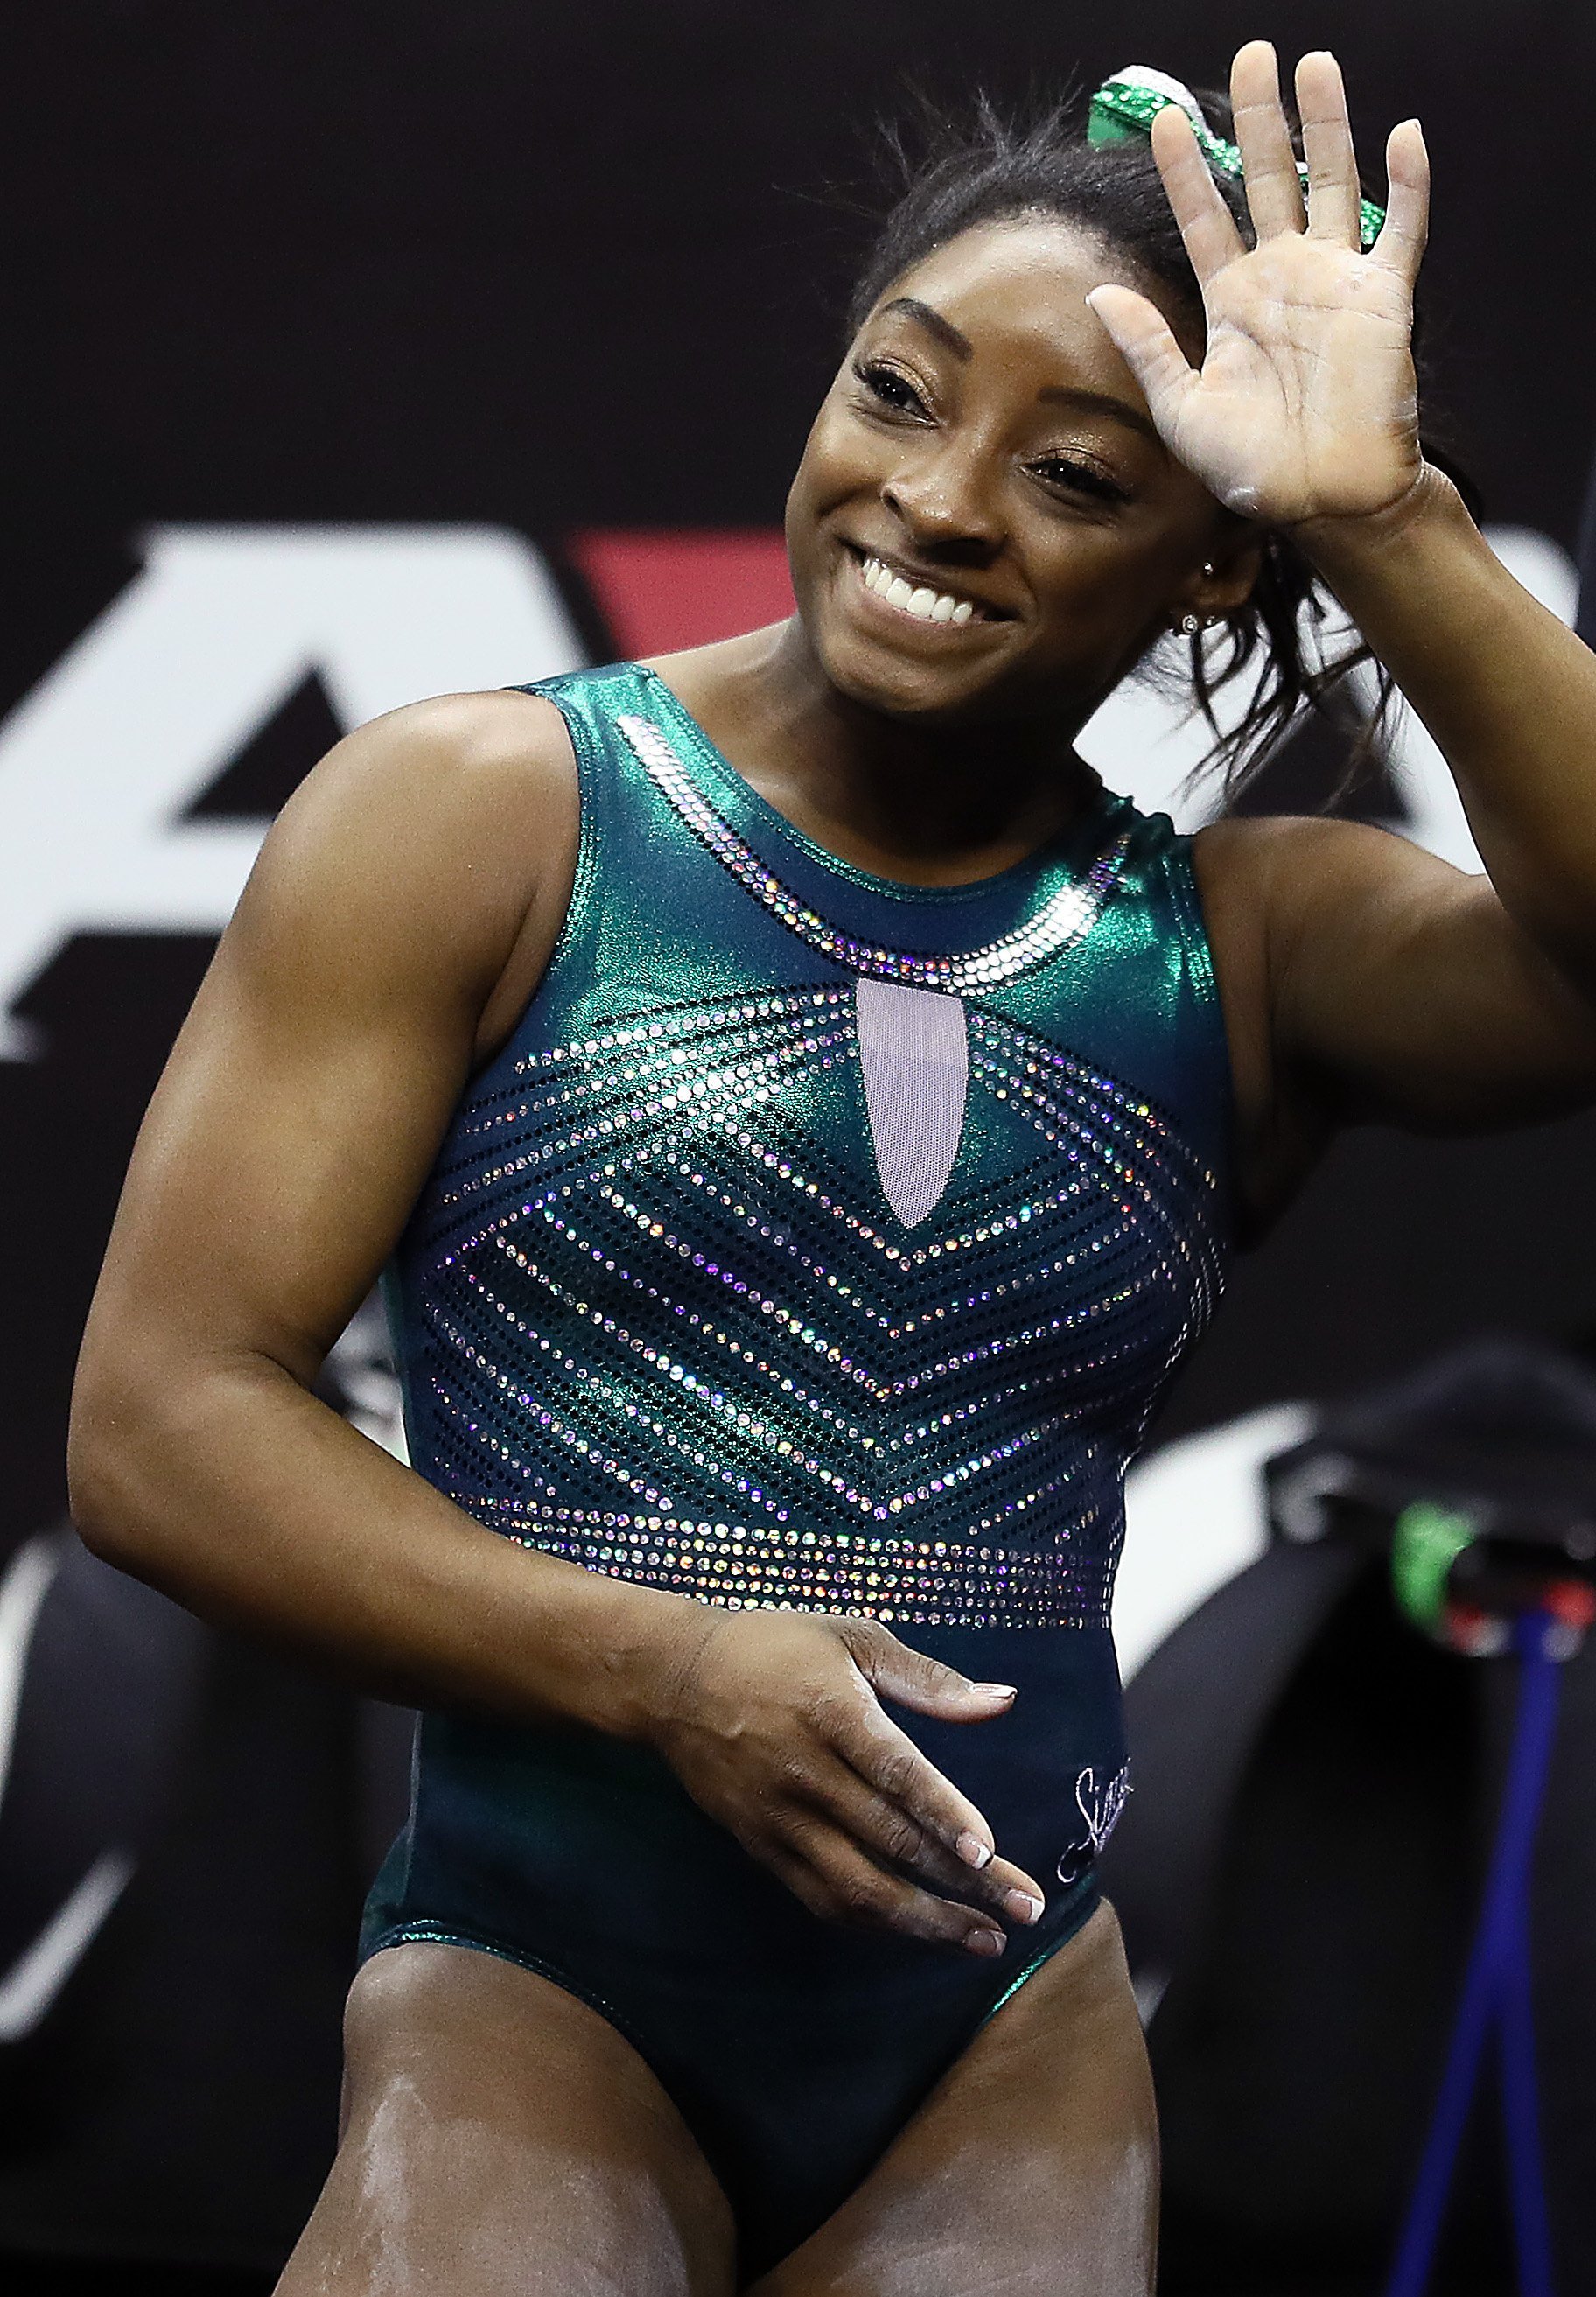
{"type": "Point", "coordinates": [773, 1722]}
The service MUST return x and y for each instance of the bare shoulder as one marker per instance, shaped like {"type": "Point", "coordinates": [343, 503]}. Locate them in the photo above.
{"type": "Point", "coordinates": [1379, 983]}
{"type": "Point", "coordinates": [1280, 865]}
{"type": "Point", "coordinates": [1305, 919]}
{"type": "Point", "coordinates": [437, 842]}
{"type": "Point", "coordinates": [1276, 885]}
{"type": "Point", "coordinates": [452, 779]}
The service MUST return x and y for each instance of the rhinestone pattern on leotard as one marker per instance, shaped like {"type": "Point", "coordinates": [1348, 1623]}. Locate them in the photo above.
{"type": "Point", "coordinates": [661, 1330]}
{"type": "Point", "coordinates": [1065, 918]}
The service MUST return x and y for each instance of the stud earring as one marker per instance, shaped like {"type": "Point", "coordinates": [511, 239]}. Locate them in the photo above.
{"type": "Point", "coordinates": [1191, 624]}
{"type": "Point", "coordinates": [1208, 568]}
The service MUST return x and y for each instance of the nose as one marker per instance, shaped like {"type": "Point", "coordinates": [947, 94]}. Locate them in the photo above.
{"type": "Point", "coordinates": [945, 500]}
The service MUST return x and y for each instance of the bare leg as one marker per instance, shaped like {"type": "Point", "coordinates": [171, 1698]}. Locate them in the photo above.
{"type": "Point", "coordinates": [500, 2139]}
{"type": "Point", "coordinates": [1031, 2171]}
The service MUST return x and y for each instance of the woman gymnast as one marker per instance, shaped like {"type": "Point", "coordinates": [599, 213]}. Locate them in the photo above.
{"type": "Point", "coordinates": [806, 1117]}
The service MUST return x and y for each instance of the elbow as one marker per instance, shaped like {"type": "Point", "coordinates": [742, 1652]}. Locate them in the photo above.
{"type": "Point", "coordinates": [98, 1486]}
{"type": "Point", "coordinates": [114, 1449]}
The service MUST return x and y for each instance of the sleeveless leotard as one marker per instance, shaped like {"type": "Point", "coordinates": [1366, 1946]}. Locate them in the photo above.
{"type": "Point", "coordinates": [823, 1242]}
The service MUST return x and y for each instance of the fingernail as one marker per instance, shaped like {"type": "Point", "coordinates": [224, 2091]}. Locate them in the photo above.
{"type": "Point", "coordinates": [972, 1850]}
{"type": "Point", "coordinates": [995, 1689]}
{"type": "Point", "coordinates": [985, 1942]}
{"type": "Point", "coordinates": [1023, 1906]}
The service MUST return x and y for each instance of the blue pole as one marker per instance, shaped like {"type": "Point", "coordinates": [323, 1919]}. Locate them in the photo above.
{"type": "Point", "coordinates": [1506, 1889]}
{"type": "Point", "coordinates": [1521, 2117]}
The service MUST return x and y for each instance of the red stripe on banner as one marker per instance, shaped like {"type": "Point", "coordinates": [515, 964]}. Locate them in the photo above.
{"type": "Point", "coordinates": [668, 586]}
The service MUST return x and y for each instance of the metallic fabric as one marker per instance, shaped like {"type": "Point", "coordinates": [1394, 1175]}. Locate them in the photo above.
{"type": "Point", "coordinates": [657, 1311]}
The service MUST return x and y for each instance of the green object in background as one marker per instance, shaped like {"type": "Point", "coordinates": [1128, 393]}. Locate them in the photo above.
{"type": "Point", "coordinates": [1425, 1542]}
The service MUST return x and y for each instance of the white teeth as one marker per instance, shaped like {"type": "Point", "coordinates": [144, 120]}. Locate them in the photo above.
{"type": "Point", "coordinates": [924, 603]}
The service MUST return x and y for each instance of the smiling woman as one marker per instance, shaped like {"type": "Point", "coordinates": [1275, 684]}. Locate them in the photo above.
{"type": "Point", "coordinates": [805, 1119]}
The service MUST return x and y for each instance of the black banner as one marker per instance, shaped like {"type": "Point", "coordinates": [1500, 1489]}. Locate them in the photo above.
{"type": "Point", "coordinates": [354, 352]}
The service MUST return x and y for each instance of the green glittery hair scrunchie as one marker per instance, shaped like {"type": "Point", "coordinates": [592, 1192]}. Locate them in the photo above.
{"type": "Point", "coordinates": [1125, 108]}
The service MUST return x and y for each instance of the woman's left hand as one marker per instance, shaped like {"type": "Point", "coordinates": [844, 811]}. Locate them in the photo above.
{"type": "Point", "coordinates": [1305, 406]}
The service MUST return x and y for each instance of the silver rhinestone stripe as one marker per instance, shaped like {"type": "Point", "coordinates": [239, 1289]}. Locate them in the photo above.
{"type": "Point", "coordinates": [921, 1582]}
{"type": "Point", "coordinates": [659, 1322]}
{"type": "Point", "coordinates": [1066, 917]}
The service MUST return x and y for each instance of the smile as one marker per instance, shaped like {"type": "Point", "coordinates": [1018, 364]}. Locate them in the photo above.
{"type": "Point", "coordinates": [918, 600]}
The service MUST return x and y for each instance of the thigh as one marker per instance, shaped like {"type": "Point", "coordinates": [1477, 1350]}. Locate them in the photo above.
{"type": "Point", "coordinates": [501, 2138]}
{"type": "Point", "coordinates": [1031, 2168]}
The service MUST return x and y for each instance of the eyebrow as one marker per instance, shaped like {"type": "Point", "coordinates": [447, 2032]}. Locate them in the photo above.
{"type": "Point", "coordinates": [1101, 402]}
{"type": "Point", "coordinates": [951, 338]}
{"type": "Point", "coordinates": [1059, 394]}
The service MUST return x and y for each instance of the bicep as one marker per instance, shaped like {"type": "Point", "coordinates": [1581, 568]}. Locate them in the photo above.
{"type": "Point", "coordinates": [1402, 991]}
{"type": "Point", "coordinates": [312, 1082]}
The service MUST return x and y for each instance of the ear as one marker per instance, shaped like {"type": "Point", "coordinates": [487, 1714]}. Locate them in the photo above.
{"type": "Point", "coordinates": [1225, 581]}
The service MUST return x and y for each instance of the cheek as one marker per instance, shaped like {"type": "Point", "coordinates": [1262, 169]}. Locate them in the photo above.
{"type": "Point", "coordinates": [1094, 579]}
{"type": "Point", "coordinates": [836, 468]}
{"type": "Point", "coordinates": [840, 458]}
{"type": "Point", "coordinates": [1114, 574]}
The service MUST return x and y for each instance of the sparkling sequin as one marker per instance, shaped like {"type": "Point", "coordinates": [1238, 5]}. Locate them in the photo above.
{"type": "Point", "coordinates": [657, 1315]}
{"type": "Point", "coordinates": [664, 1333]}
{"type": "Point", "coordinates": [1065, 917]}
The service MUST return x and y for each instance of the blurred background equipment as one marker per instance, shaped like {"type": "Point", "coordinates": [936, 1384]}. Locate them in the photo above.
{"type": "Point", "coordinates": [187, 1828]}
{"type": "Point", "coordinates": [1324, 1751]}
{"type": "Point", "coordinates": [359, 351]}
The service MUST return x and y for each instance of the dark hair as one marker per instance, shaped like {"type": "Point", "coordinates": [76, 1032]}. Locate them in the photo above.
{"type": "Point", "coordinates": [953, 175]}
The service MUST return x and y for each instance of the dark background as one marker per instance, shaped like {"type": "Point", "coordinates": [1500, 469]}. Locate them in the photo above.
{"type": "Point", "coordinates": [557, 270]}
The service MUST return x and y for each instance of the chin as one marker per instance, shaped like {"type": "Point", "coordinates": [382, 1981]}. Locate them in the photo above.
{"type": "Point", "coordinates": [874, 677]}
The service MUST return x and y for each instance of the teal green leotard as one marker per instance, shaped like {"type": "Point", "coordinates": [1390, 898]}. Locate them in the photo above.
{"type": "Point", "coordinates": [822, 1242]}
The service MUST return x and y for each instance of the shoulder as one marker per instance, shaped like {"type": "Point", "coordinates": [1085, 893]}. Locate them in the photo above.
{"type": "Point", "coordinates": [436, 843]}
{"type": "Point", "coordinates": [1299, 858]}
{"type": "Point", "coordinates": [475, 762]}
{"type": "Point", "coordinates": [1279, 889]}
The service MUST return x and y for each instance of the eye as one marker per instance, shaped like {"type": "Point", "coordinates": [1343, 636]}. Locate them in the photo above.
{"type": "Point", "coordinates": [891, 388]}
{"type": "Point", "coordinates": [1081, 478]}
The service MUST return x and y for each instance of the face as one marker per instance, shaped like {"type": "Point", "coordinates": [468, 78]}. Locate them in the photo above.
{"type": "Point", "coordinates": [985, 525]}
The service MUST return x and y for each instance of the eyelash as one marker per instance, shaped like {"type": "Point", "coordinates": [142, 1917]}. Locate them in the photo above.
{"type": "Point", "coordinates": [877, 378]}
{"type": "Point", "coordinates": [1089, 480]}
{"type": "Point", "coordinates": [881, 381]}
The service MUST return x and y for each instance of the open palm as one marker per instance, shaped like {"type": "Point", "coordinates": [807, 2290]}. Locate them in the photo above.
{"type": "Point", "coordinates": [1305, 405]}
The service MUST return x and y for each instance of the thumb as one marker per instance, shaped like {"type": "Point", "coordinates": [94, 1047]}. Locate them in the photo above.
{"type": "Point", "coordinates": [910, 1678]}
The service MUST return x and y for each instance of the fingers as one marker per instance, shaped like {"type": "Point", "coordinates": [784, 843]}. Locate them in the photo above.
{"type": "Point", "coordinates": [1206, 224]}
{"type": "Point", "coordinates": [908, 1676]}
{"type": "Point", "coordinates": [1402, 240]}
{"type": "Point", "coordinates": [886, 1831]}
{"type": "Point", "coordinates": [1334, 195]}
{"type": "Point", "coordinates": [835, 1880]}
{"type": "Point", "coordinates": [888, 1760]}
{"type": "Point", "coordinates": [1146, 341]}
{"type": "Point", "coordinates": [1274, 193]}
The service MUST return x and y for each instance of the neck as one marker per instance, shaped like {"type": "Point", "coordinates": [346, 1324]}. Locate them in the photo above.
{"type": "Point", "coordinates": [929, 805]}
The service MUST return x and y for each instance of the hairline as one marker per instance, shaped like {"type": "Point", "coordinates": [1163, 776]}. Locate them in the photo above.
{"type": "Point", "coordinates": [1142, 275]}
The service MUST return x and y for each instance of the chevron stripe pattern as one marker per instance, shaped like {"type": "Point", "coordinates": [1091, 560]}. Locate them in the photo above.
{"type": "Point", "coordinates": [668, 1328]}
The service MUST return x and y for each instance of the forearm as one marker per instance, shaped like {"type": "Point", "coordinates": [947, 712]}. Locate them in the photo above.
{"type": "Point", "coordinates": [1507, 691]}
{"type": "Point", "coordinates": [237, 1492]}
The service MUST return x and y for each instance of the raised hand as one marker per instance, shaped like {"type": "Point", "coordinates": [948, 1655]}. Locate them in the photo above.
{"type": "Point", "coordinates": [776, 1728]}
{"type": "Point", "coordinates": [1305, 406]}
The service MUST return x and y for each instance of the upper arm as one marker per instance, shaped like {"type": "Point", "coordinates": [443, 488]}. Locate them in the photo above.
{"type": "Point", "coordinates": [1389, 985]}
{"type": "Point", "coordinates": [401, 912]}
